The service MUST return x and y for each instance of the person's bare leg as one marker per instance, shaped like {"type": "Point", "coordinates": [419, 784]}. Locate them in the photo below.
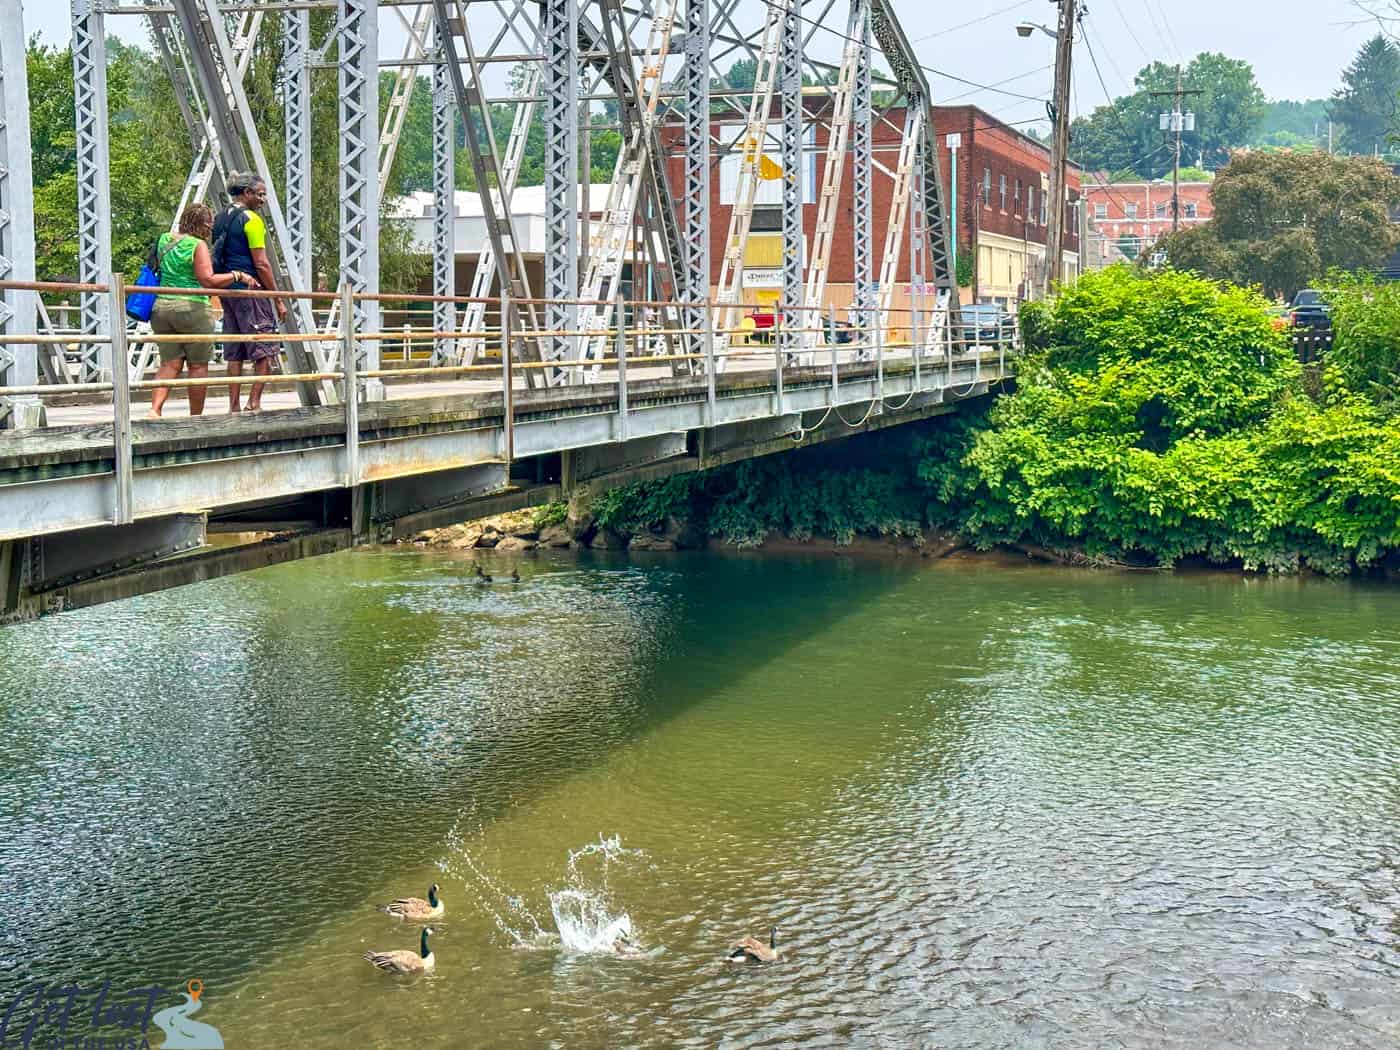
{"type": "Point", "coordinates": [261, 367]}
{"type": "Point", "coordinates": [235, 368]}
{"type": "Point", "coordinates": [168, 370]}
{"type": "Point", "coordinates": [198, 393]}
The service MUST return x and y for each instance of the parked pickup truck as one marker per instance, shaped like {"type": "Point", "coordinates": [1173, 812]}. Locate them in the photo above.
{"type": "Point", "coordinates": [1310, 310]}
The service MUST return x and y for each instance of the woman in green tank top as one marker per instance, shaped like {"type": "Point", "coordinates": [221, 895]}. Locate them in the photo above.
{"type": "Point", "coordinates": [185, 263]}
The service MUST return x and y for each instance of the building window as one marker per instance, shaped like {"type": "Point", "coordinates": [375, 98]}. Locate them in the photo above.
{"type": "Point", "coordinates": [1191, 210]}
{"type": "Point", "coordinates": [1045, 209]}
{"type": "Point", "coordinates": [1131, 211]}
{"type": "Point", "coordinates": [1030, 204]}
{"type": "Point", "coordinates": [1161, 211]}
{"type": "Point", "coordinates": [987, 187]}
{"type": "Point", "coordinates": [1018, 191]}
{"type": "Point", "coordinates": [1002, 187]}
{"type": "Point", "coordinates": [1100, 211]}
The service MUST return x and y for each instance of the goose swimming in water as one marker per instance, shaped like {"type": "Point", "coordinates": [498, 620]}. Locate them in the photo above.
{"type": "Point", "coordinates": [751, 948]}
{"type": "Point", "coordinates": [404, 961]}
{"type": "Point", "coordinates": [416, 909]}
{"type": "Point", "coordinates": [514, 576]}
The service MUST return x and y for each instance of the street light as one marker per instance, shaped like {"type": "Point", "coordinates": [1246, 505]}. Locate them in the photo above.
{"type": "Point", "coordinates": [1063, 36]}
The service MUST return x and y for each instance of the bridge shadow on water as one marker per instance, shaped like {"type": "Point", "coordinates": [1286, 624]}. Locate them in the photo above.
{"type": "Point", "coordinates": [195, 781]}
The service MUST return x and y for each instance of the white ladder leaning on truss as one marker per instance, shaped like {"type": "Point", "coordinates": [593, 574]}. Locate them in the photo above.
{"type": "Point", "coordinates": [894, 232]}
{"type": "Point", "coordinates": [731, 271]}
{"type": "Point", "coordinates": [474, 316]}
{"type": "Point", "coordinates": [607, 248]}
{"type": "Point", "coordinates": [830, 187]}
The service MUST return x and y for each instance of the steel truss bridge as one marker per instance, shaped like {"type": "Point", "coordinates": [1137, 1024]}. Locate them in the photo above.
{"type": "Point", "coordinates": [92, 512]}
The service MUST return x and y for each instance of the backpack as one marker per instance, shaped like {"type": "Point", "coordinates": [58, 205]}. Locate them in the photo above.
{"type": "Point", "coordinates": [221, 228]}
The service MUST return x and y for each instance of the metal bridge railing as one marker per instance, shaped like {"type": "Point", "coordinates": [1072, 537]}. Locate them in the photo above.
{"type": "Point", "coordinates": [927, 343]}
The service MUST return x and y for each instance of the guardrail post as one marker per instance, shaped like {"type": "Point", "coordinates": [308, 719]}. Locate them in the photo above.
{"type": "Point", "coordinates": [709, 362]}
{"type": "Point", "coordinates": [835, 364]}
{"type": "Point", "coordinates": [507, 379]}
{"type": "Point", "coordinates": [351, 392]}
{"type": "Point", "coordinates": [778, 339]}
{"type": "Point", "coordinates": [122, 509]}
{"type": "Point", "coordinates": [916, 336]}
{"type": "Point", "coordinates": [620, 342]}
{"type": "Point", "coordinates": [948, 343]}
{"type": "Point", "coordinates": [882, 318]}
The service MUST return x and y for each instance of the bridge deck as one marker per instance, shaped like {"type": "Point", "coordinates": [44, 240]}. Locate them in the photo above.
{"type": "Point", "coordinates": [428, 455]}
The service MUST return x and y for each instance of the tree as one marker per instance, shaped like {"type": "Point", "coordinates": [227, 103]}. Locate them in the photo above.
{"type": "Point", "coordinates": [1367, 106]}
{"type": "Point", "coordinates": [1287, 123]}
{"type": "Point", "coordinates": [1126, 134]}
{"type": "Point", "coordinates": [144, 125]}
{"type": "Point", "coordinates": [742, 74]}
{"type": "Point", "coordinates": [1283, 219]}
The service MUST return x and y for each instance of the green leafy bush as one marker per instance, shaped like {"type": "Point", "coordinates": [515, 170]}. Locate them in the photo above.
{"type": "Point", "coordinates": [548, 514]}
{"type": "Point", "coordinates": [1165, 422]}
{"type": "Point", "coordinates": [1365, 355]}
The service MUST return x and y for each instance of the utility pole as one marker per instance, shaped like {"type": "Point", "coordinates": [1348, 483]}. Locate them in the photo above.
{"type": "Point", "coordinates": [1059, 147]}
{"type": "Point", "coordinates": [1177, 122]}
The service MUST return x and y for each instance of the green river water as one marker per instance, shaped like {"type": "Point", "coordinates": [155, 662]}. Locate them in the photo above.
{"type": "Point", "coordinates": [986, 805]}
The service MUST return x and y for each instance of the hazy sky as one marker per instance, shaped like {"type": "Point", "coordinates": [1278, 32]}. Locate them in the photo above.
{"type": "Point", "coordinates": [1297, 47]}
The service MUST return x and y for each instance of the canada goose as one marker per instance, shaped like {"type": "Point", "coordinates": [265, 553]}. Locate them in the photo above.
{"type": "Point", "coordinates": [416, 909]}
{"type": "Point", "coordinates": [404, 961]}
{"type": "Point", "coordinates": [753, 948]}
{"type": "Point", "coordinates": [514, 576]}
{"type": "Point", "coordinates": [483, 577]}
{"type": "Point", "coordinates": [476, 568]}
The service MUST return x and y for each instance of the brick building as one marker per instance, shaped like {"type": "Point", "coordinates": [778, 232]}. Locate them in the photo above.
{"type": "Point", "coordinates": [1006, 236]}
{"type": "Point", "coordinates": [1001, 198]}
{"type": "Point", "coordinates": [1126, 218]}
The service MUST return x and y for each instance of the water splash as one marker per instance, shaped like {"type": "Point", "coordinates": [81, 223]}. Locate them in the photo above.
{"type": "Point", "coordinates": [586, 923]}
{"type": "Point", "coordinates": [509, 911]}
{"type": "Point", "coordinates": [586, 919]}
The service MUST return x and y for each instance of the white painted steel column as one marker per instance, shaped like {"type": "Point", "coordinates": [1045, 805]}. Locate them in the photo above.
{"type": "Point", "coordinates": [359, 172]}
{"type": "Point", "coordinates": [19, 365]}
{"type": "Point", "coordinates": [94, 185]}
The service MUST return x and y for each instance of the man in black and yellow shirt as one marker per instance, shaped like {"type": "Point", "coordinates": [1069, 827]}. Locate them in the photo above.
{"type": "Point", "coordinates": [240, 243]}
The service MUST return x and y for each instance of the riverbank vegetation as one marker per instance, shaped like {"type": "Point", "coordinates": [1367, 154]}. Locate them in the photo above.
{"type": "Point", "coordinates": [1158, 418]}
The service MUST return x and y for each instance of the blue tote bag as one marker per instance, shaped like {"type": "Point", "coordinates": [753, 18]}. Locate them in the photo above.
{"type": "Point", "coordinates": [140, 304]}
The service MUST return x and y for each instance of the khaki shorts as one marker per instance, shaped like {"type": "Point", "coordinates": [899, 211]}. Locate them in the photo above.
{"type": "Point", "coordinates": [183, 317]}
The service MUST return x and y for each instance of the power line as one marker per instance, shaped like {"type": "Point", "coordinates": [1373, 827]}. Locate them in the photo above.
{"type": "Point", "coordinates": [927, 69]}
{"type": "Point", "coordinates": [1129, 27]}
{"type": "Point", "coordinates": [1113, 64]}
{"type": "Point", "coordinates": [1008, 80]}
{"type": "Point", "coordinates": [973, 22]}
{"type": "Point", "coordinates": [1171, 33]}
{"type": "Point", "coordinates": [1152, 18]}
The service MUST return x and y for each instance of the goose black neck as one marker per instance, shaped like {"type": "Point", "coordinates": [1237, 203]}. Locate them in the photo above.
{"type": "Point", "coordinates": [423, 948]}
{"type": "Point", "coordinates": [773, 937]}
{"type": "Point", "coordinates": [432, 896]}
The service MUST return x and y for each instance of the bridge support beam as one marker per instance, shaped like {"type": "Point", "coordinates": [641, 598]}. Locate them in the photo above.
{"type": "Point", "coordinates": [19, 365]}
{"type": "Point", "coordinates": [94, 184]}
{"type": "Point", "coordinates": [587, 464]}
{"type": "Point", "coordinates": [359, 175]}
{"type": "Point", "coordinates": [37, 574]}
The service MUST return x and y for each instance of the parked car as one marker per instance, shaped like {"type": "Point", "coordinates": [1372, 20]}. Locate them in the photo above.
{"type": "Point", "coordinates": [1310, 310]}
{"type": "Point", "coordinates": [988, 323]}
